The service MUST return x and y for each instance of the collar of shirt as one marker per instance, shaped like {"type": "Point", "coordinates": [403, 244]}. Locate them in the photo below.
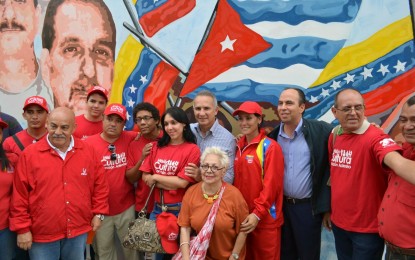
{"type": "Point", "coordinates": [61, 154]}
{"type": "Point", "coordinates": [361, 130]}
{"type": "Point", "coordinates": [211, 131]}
{"type": "Point", "coordinates": [296, 131]}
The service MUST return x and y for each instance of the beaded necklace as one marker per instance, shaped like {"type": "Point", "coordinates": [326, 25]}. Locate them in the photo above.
{"type": "Point", "coordinates": [211, 199]}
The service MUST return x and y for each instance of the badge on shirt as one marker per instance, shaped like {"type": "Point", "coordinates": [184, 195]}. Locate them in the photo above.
{"type": "Point", "coordinates": [249, 158]}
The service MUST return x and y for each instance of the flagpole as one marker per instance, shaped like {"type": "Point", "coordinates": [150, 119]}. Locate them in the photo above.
{"type": "Point", "coordinates": [202, 42]}
{"type": "Point", "coordinates": [154, 48]}
{"type": "Point", "coordinates": [133, 17]}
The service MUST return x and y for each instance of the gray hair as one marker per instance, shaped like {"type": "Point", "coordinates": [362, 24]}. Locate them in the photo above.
{"type": "Point", "coordinates": [207, 93]}
{"type": "Point", "coordinates": [215, 150]}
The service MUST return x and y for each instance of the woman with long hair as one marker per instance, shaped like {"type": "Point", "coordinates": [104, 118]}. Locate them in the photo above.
{"type": "Point", "coordinates": [7, 237]}
{"type": "Point", "coordinates": [165, 164]}
{"type": "Point", "coordinates": [259, 170]}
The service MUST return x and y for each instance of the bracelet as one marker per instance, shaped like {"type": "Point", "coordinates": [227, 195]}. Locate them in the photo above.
{"type": "Point", "coordinates": [183, 243]}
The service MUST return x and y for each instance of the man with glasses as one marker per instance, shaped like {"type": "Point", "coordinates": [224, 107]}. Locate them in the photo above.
{"type": "Point", "coordinates": [361, 156]}
{"type": "Point", "coordinates": [90, 123]}
{"type": "Point", "coordinates": [111, 146]}
{"type": "Point", "coordinates": [59, 193]}
{"type": "Point", "coordinates": [147, 118]}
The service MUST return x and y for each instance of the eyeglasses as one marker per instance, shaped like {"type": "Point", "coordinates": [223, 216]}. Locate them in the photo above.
{"type": "Point", "coordinates": [145, 118]}
{"type": "Point", "coordinates": [213, 168]}
{"type": "Point", "coordinates": [111, 148]}
{"type": "Point", "coordinates": [348, 109]}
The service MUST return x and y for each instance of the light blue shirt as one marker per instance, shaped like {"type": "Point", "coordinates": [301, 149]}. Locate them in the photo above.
{"type": "Point", "coordinates": [217, 136]}
{"type": "Point", "coordinates": [297, 177]}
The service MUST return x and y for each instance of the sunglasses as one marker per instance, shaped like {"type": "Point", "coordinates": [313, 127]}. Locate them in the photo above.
{"type": "Point", "coordinates": [111, 148]}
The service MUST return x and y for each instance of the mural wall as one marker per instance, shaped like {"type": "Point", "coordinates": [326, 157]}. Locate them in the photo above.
{"type": "Point", "coordinates": [240, 50]}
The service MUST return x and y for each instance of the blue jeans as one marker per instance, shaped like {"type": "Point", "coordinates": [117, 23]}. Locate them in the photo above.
{"type": "Point", "coordinates": [153, 215]}
{"type": "Point", "coordinates": [8, 244]}
{"type": "Point", "coordinates": [356, 246]}
{"type": "Point", "coordinates": [64, 249]}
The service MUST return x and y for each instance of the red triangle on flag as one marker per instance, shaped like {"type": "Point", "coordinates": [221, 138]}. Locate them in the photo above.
{"type": "Point", "coordinates": [216, 56]}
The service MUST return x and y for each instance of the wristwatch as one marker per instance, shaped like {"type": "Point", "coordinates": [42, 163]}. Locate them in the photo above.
{"type": "Point", "coordinates": [235, 256]}
{"type": "Point", "coordinates": [100, 216]}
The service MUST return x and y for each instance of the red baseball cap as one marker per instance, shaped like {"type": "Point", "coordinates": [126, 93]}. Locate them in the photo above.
{"type": "Point", "coordinates": [3, 124]}
{"type": "Point", "coordinates": [116, 109]}
{"type": "Point", "coordinates": [36, 100]}
{"type": "Point", "coordinates": [249, 107]}
{"type": "Point", "coordinates": [169, 231]}
{"type": "Point", "coordinates": [99, 90]}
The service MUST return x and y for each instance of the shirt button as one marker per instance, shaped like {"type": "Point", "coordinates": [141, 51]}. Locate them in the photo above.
{"type": "Point", "coordinates": [383, 209]}
{"type": "Point", "coordinates": [69, 220]}
{"type": "Point", "coordinates": [388, 196]}
{"type": "Point", "coordinates": [67, 202]}
{"type": "Point", "coordinates": [396, 183]}
{"type": "Point", "coordinates": [381, 223]}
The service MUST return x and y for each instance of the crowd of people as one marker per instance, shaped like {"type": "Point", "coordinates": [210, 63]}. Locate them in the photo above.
{"type": "Point", "coordinates": [255, 196]}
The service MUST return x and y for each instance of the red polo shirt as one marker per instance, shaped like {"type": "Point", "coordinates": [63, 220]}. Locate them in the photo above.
{"type": "Point", "coordinates": [396, 215]}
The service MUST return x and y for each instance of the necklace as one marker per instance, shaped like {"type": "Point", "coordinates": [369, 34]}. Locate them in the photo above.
{"type": "Point", "coordinates": [211, 199]}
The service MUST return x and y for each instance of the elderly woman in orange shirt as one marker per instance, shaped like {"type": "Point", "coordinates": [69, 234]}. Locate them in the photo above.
{"type": "Point", "coordinates": [210, 198]}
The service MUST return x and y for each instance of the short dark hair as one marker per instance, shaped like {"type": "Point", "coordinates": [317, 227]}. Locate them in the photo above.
{"type": "Point", "coordinates": [48, 31]}
{"type": "Point", "coordinates": [35, 2]}
{"type": "Point", "coordinates": [336, 97]}
{"type": "Point", "coordinates": [302, 99]}
{"type": "Point", "coordinates": [155, 113]}
{"type": "Point", "coordinates": [411, 101]}
{"type": "Point", "coordinates": [180, 116]}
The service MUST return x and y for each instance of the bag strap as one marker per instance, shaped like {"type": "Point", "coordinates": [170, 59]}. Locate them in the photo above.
{"type": "Point", "coordinates": [16, 139]}
{"type": "Point", "coordinates": [336, 131]}
{"type": "Point", "coordinates": [143, 211]}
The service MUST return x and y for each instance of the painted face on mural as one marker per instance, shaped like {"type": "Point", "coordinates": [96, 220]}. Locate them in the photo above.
{"type": "Point", "coordinates": [18, 26]}
{"type": "Point", "coordinates": [81, 55]}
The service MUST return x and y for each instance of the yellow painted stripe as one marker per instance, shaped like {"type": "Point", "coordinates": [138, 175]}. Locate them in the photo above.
{"type": "Point", "coordinates": [378, 45]}
{"type": "Point", "coordinates": [134, 1]}
{"type": "Point", "coordinates": [125, 63]}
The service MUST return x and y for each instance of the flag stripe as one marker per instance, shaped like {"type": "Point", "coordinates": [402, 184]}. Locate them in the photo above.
{"type": "Point", "coordinates": [127, 60]}
{"type": "Point", "coordinates": [376, 46]}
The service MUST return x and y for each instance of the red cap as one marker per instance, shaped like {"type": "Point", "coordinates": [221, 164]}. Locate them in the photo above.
{"type": "Point", "coordinates": [3, 124]}
{"type": "Point", "coordinates": [169, 231]}
{"type": "Point", "coordinates": [248, 107]}
{"type": "Point", "coordinates": [36, 100]}
{"type": "Point", "coordinates": [99, 90]}
{"type": "Point", "coordinates": [116, 109]}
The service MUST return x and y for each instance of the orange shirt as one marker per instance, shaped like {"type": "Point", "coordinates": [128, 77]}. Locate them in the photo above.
{"type": "Point", "coordinates": [232, 211]}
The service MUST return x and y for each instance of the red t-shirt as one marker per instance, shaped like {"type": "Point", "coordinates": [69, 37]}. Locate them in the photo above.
{"type": "Point", "coordinates": [141, 190]}
{"type": "Point", "coordinates": [6, 188]}
{"type": "Point", "coordinates": [121, 195]}
{"type": "Point", "coordinates": [170, 160]}
{"type": "Point", "coordinates": [358, 178]}
{"type": "Point", "coordinates": [85, 128]}
{"type": "Point", "coordinates": [13, 150]}
{"type": "Point", "coordinates": [397, 211]}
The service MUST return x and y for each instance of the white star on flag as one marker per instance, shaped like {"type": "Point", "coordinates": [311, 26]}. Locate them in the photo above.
{"type": "Point", "coordinates": [132, 89]}
{"type": "Point", "coordinates": [400, 66]}
{"type": "Point", "coordinates": [335, 85]}
{"type": "Point", "coordinates": [366, 73]}
{"type": "Point", "coordinates": [349, 78]}
{"type": "Point", "coordinates": [143, 79]}
{"type": "Point", "coordinates": [383, 69]}
{"type": "Point", "coordinates": [128, 116]}
{"type": "Point", "coordinates": [130, 103]}
{"type": "Point", "coordinates": [313, 99]}
{"type": "Point", "coordinates": [324, 92]}
{"type": "Point", "coordinates": [227, 44]}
